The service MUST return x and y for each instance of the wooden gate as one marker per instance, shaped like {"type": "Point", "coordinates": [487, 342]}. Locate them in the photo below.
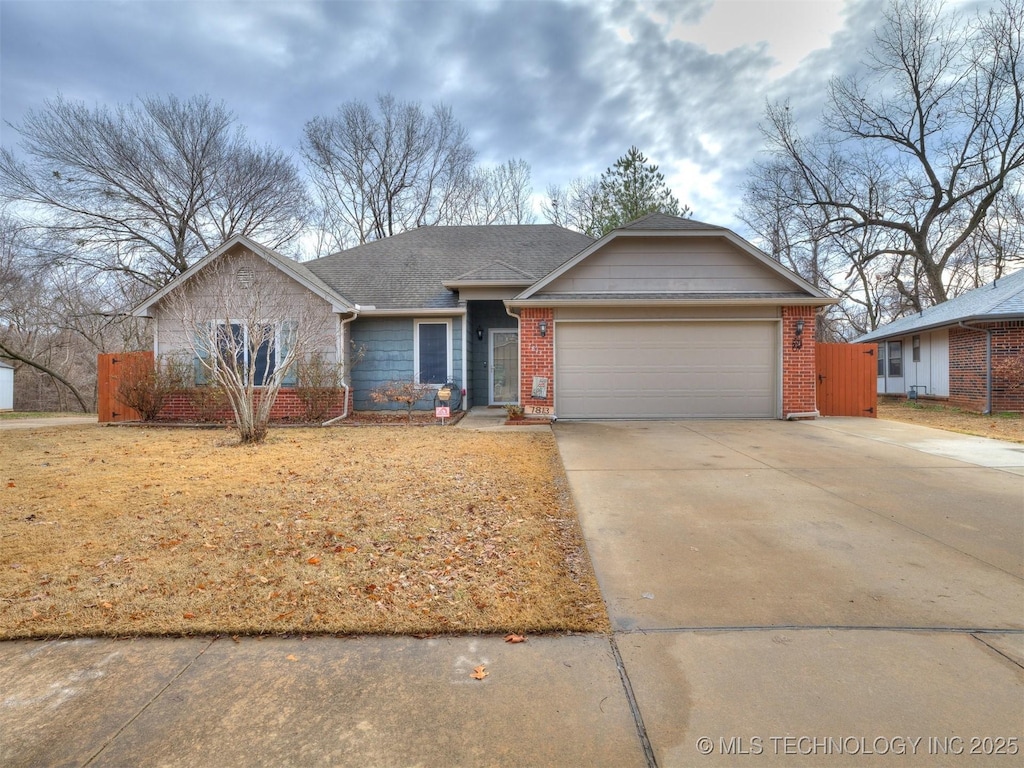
{"type": "Point", "coordinates": [847, 379]}
{"type": "Point", "coordinates": [111, 370]}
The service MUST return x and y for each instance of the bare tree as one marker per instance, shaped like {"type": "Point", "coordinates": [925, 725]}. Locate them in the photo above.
{"type": "Point", "coordinates": [144, 189]}
{"type": "Point", "coordinates": [575, 206]}
{"type": "Point", "coordinates": [246, 332]}
{"type": "Point", "coordinates": [797, 235]}
{"type": "Point", "coordinates": [495, 195]}
{"type": "Point", "coordinates": [381, 172]}
{"type": "Point", "coordinates": [51, 324]}
{"type": "Point", "coordinates": [917, 150]}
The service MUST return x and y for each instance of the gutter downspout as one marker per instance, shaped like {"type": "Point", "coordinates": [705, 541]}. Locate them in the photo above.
{"type": "Point", "coordinates": [343, 354]}
{"type": "Point", "coordinates": [519, 351]}
{"type": "Point", "coordinates": [465, 358]}
{"type": "Point", "coordinates": [988, 363]}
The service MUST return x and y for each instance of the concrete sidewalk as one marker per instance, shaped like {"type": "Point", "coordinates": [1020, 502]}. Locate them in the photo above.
{"type": "Point", "coordinates": [47, 422]}
{"type": "Point", "coordinates": [837, 592]}
{"type": "Point", "coordinates": [369, 701]}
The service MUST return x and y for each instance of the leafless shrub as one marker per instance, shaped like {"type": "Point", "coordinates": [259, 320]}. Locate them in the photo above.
{"type": "Point", "coordinates": [408, 393]}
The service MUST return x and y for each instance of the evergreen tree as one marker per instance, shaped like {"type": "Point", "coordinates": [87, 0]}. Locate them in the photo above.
{"type": "Point", "coordinates": [630, 189]}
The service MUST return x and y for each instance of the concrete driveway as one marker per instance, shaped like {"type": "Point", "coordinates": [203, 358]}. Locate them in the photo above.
{"type": "Point", "coordinates": [814, 592]}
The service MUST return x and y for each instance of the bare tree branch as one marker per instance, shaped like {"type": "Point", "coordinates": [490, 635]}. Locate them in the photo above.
{"type": "Point", "coordinates": [917, 151]}
{"type": "Point", "coordinates": [144, 189]}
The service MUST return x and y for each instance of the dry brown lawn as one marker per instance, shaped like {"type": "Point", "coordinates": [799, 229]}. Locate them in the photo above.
{"type": "Point", "coordinates": [1007, 426]}
{"type": "Point", "coordinates": [129, 531]}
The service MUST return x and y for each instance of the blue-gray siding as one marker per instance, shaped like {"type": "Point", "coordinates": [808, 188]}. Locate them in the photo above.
{"type": "Point", "coordinates": [388, 345]}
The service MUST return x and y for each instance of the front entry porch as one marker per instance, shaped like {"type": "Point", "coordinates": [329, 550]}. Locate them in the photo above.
{"type": "Point", "coordinates": [492, 355]}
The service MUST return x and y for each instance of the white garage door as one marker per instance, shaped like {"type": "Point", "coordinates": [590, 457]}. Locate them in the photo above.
{"type": "Point", "coordinates": [666, 369]}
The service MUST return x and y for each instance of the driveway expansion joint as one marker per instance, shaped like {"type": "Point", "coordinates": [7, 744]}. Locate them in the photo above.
{"type": "Point", "coordinates": [991, 647]}
{"type": "Point", "coordinates": [634, 708]}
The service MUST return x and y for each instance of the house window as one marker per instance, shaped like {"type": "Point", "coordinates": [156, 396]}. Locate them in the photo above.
{"type": "Point", "coordinates": [881, 359]}
{"type": "Point", "coordinates": [895, 358]}
{"type": "Point", "coordinates": [433, 351]}
{"type": "Point", "coordinates": [915, 344]}
{"type": "Point", "coordinates": [238, 343]}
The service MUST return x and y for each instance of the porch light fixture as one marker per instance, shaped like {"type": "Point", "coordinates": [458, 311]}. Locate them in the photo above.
{"type": "Point", "coordinates": [800, 327]}
{"type": "Point", "coordinates": [479, 333]}
{"type": "Point", "coordinates": [542, 326]}
{"type": "Point", "coordinates": [798, 333]}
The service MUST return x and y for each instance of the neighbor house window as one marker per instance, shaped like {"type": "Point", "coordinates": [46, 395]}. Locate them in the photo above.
{"type": "Point", "coordinates": [433, 351]}
{"type": "Point", "coordinates": [896, 358]}
{"type": "Point", "coordinates": [881, 359]}
{"type": "Point", "coordinates": [915, 344]}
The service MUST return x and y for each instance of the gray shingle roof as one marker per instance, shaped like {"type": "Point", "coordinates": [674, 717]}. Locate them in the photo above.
{"type": "Point", "coordinates": [496, 270]}
{"type": "Point", "coordinates": [1000, 300]}
{"type": "Point", "coordinates": [408, 270]}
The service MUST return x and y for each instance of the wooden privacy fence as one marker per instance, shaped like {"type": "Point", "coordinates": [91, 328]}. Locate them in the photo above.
{"type": "Point", "coordinates": [847, 379]}
{"type": "Point", "coordinates": [112, 369]}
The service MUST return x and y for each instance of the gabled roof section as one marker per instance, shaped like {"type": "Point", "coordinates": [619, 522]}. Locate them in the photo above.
{"type": "Point", "coordinates": [411, 270]}
{"type": "Point", "coordinates": [1002, 299]}
{"type": "Point", "coordinates": [293, 269]}
{"type": "Point", "coordinates": [495, 272]}
{"type": "Point", "coordinates": [660, 225]}
{"type": "Point", "coordinates": [663, 222]}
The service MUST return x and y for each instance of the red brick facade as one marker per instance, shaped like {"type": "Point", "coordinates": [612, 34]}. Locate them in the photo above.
{"type": "Point", "coordinates": [968, 376]}
{"type": "Point", "coordinates": [799, 390]}
{"type": "Point", "coordinates": [537, 356]}
{"type": "Point", "coordinates": [181, 407]}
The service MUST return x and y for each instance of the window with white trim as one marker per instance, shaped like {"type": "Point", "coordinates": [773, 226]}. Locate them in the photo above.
{"type": "Point", "coordinates": [237, 344]}
{"type": "Point", "coordinates": [895, 358]}
{"type": "Point", "coordinates": [432, 353]}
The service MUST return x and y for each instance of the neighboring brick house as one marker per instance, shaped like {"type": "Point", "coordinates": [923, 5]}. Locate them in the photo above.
{"type": "Point", "coordinates": [664, 317]}
{"type": "Point", "coordinates": [968, 351]}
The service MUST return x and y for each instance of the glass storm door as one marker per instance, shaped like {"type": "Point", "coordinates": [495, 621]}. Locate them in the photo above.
{"type": "Point", "coordinates": [504, 376]}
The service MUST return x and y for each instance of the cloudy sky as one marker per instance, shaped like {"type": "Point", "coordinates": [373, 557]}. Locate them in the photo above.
{"type": "Point", "coordinates": [567, 86]}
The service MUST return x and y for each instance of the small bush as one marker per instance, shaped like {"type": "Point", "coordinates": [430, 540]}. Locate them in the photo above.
{"type": "Point", "coordinates": [514, 411]}
{"type": "Point", "coordinates": [146, 388]}
{"type": "Point", "coordinates": [317, 385]}
{"type": "Point", "coordinates": [1010, 372]}
{"type": "Point", "coordinates": [209, 402]}
{"type": "Point", "coordinates": [408, 393]}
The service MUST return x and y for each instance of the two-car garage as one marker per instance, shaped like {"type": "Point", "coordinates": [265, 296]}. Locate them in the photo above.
{"type": "Point", "coordinates": [669, 318]}
{"type": "Point", "coordinates": [699, 368]}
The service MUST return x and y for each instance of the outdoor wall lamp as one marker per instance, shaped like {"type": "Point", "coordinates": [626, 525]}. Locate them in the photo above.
{"type": "Point", "coordinates": [542, 326]}
{"type": "Point", "coordinates": [798, 333]}
{"type": "Point", "coordinates": [479, 333]}
{"type": "Point", "coordinates": [800, 327]}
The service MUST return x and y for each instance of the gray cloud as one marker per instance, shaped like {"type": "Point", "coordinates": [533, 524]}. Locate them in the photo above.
{"type": "Point", "coordinates": [567, 86]}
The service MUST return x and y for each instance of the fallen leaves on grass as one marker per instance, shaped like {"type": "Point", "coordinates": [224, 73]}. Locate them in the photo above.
{"type": "Point", "coordinates": [1009, 426]}
{"type": "Point", "coordinates": [374, 530]}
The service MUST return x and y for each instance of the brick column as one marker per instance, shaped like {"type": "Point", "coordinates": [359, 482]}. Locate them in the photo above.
{"type": "Point", "coordinates": [536, 356]}
{"type": "Point", "coordinates": [799, 383]}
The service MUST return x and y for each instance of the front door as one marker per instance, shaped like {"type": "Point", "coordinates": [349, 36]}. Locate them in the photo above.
{"type": "Point", "coordinates": [504, 370]}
